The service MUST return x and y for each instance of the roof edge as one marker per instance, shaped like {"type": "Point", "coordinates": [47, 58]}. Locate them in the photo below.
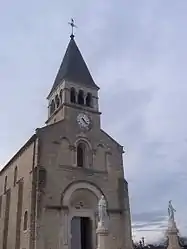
{"type": "Point", "coordinates": [121, 146]}
{"type": "Point", "coordinates": [19, 152]}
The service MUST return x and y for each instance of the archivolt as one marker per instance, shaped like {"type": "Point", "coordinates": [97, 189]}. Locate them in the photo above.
{"type": "Point", "coordinates": [66, 195]}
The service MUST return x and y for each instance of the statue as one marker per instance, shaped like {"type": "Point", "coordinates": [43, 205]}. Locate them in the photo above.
{"type": "Point", "coordinates": [171, 211]}
{"type": "Point", "coordinates": [102, 208]}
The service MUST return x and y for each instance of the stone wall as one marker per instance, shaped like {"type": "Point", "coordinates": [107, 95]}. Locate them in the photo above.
{"type": "Point", "coordinates": [16, 199]}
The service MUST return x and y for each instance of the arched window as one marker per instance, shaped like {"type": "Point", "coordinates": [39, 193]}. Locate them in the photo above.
{"type": "Point", "coordinates": [89, 100]}
{"type": "Point", "coordinates": [81, 97]}
{"type": "Point", "coordinates": [5, 184]}
{"type": "Point", "coordinates": [72, 95]}
{"type": "Point", "coordinates": [25, 220]}
{"type": "Point", "coordinates": [15, 175]}
{"type": "Point", "coordinates": [57, 101]}
{"type": "Point", "coordinates": [60, 96]}
{"type": "Point", "coordinates": [52, 106]}
{"type": "Point", "coordinates": [81, 155]}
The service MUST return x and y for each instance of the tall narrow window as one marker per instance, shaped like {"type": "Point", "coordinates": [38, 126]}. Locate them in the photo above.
{"type": "Point", "coordinates": [72, 95]}
{"type": "Point", "coordinates": [5, 184]}
{"type": "Point", "coordinates": [25, 220]}
{"type": "Point", "coordinates": [89, 100]}
{"type": "Point", "coordinates": [81, 97]}
{"type": "Point", "coordinates": [15, 175]}
{"type": "Point", "coordinates": [57, 101]}
{"type": "Point", "coordinates": [52, 106]}
{"type": "Point", "coordinates": [81, 155]}
{"type": "Point", "coordinates": [60, 96]}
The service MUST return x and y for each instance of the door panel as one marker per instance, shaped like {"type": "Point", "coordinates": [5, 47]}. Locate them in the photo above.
{"type": "Point", "coordinates": [76, 233]}
{"type": "Point", "coordinates": [81, 231]}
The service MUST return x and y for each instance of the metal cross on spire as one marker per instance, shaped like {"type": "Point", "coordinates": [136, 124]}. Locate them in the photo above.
{"type": "Point", "coordinates": [72, 24]}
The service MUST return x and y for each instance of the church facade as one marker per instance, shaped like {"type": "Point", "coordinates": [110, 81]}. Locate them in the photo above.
{"type": "Point", "coordinates": [49, 190]}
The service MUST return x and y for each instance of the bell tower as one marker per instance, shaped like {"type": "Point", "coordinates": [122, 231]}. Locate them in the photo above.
{"type": "Point", "coordinates": [74, 89]}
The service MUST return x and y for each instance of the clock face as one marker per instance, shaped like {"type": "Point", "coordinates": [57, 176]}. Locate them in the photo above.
{"type": "Point", "coordinates": [83, 121]}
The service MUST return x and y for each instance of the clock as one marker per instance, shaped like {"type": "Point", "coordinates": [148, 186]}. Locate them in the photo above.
{"type": "Point", "coordinates": [83, 121]}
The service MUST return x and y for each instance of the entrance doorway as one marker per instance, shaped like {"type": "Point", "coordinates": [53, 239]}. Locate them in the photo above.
{"type": "Point", "coordinates": [81, 232]}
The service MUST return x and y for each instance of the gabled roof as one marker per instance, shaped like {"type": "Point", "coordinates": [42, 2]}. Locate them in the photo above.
{"type": "Point", "coordinates": [73, 68]}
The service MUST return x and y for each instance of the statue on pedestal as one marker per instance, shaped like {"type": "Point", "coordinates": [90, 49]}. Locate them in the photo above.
{"type": "Point", "coordinates": [102, 210]}
{"type": "Point", "coordinates": [172, 231]}
{"type": "Point", "coordinates": [171, 211]}
{"type": "Point", "coordinates": [102, 229]}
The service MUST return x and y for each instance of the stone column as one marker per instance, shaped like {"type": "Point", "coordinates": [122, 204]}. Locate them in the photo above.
{"type": "Point", "coordinates": [63, 229]}
{"type": "Point", "coordinates": [102, 235]}
{"type": "Point", "coordinates": [172, 233]}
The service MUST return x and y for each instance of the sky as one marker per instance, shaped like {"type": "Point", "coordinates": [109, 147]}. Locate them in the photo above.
{"type": "Point", "coordinates": [136, 52]}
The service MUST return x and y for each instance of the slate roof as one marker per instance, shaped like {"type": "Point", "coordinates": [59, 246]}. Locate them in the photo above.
{"type": "Point", "coordinates": [73, 68]}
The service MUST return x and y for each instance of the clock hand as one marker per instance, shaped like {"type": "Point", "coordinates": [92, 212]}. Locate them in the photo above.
{"type": "Point", "coordinates": [84, 121]}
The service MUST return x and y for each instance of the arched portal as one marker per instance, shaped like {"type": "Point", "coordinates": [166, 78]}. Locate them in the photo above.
{"type": "Point", "coordinates": [81, 200]}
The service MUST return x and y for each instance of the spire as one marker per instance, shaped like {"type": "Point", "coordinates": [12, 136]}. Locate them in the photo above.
{"type": "Point", "coordinates": [73, 68]}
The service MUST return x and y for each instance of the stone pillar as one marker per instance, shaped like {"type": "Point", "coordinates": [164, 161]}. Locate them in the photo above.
{"type": "Point", "coordinates": [102, 235]}
{"type": "Point", "coordinates": [172, 233]}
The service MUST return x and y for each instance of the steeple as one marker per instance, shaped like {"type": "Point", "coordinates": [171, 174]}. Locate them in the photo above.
{"type": "Point", "coordinates": [74, 88]}
{"type": "Point", "coordinates": [73, 68]}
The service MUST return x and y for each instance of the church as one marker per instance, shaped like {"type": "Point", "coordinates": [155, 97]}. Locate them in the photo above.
{"type": "Point", "coordinates": [49, 190]}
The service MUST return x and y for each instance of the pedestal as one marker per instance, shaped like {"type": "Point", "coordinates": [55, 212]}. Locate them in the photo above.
{"type": "Point", "coordinates": [172, 234]}
{"type": "Point", "coordinates": [102, 236]}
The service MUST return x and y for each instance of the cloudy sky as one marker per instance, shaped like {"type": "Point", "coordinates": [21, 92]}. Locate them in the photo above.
{"type": "Point", "coordinates": [136, 52]}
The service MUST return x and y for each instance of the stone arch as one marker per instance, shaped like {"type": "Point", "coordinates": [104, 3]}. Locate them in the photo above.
{"type": "Point", "coordinates": [81, 154]}
{"type": "Point", "coordinates": [52, 107]}
{"type": "Point", "coordinates": [60, 96]}
{"type": "Point", "coordinates": [83, 199]}
{"type": "Point", "coordinates": [89, 99]}
{"type": "Point", "coordinates": [72, 95]}
{"type": "Point", "coordinates": [83, 140]}
{"type": "Point", "coordinates": [80, 199]}
{"type": "Point", "coordinates": [57, 101]}
{"type": "Point", "coordinates": [81, 97]}
{"type": "Point", "coordinates": [87, 152]}
{"type": "Point", "coordinates": [66, 195]}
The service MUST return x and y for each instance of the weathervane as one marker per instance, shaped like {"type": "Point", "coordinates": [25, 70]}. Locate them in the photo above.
{"type": "Point", "coordinates": [72, 24]}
